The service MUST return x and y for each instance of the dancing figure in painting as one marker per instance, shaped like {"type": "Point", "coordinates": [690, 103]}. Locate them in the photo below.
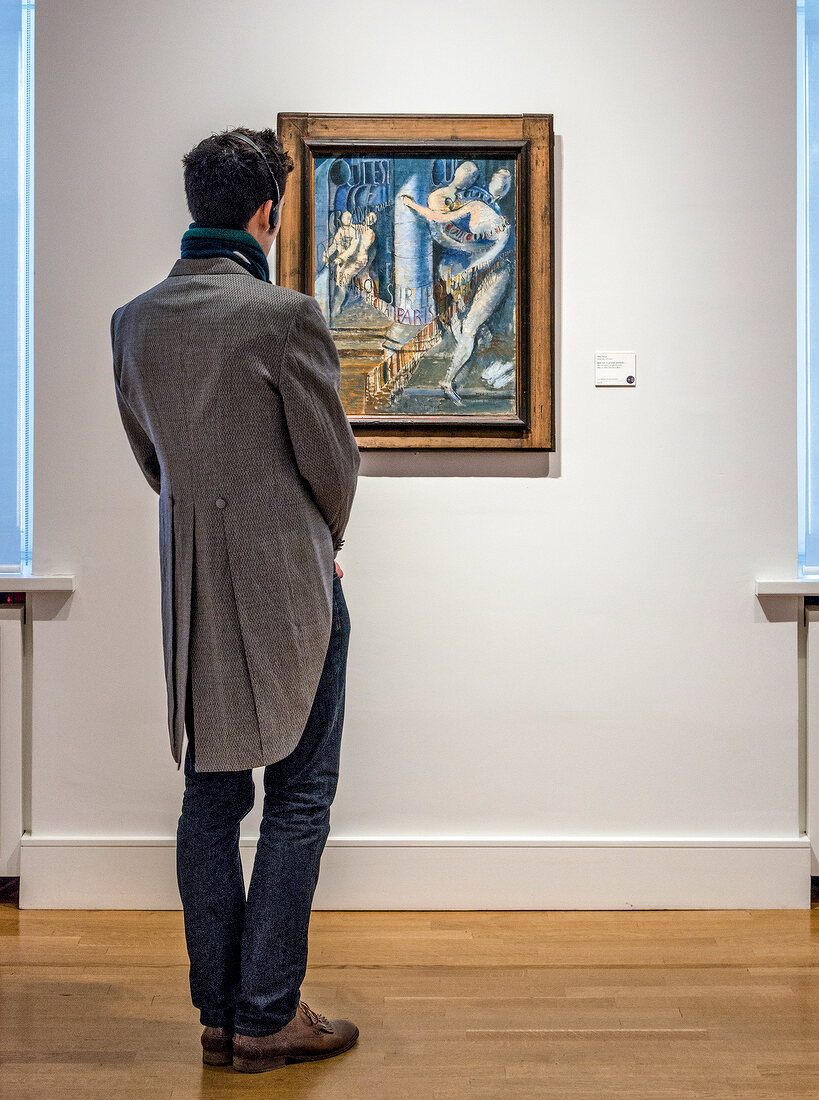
{"type": "Point", "coordinates": [351, 247]}
{"type": "Point", "coordinates": [341, 247]}
{"type": "Point", "coordinates": [358, 258]}
{"type": "Point", "coordinates": [343, 239]}
{"type": "Point", "coordinates": [481, 234]}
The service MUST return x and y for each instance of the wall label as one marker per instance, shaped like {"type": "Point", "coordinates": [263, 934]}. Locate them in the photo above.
{"type": "Point", "coordinates": [615, 368]}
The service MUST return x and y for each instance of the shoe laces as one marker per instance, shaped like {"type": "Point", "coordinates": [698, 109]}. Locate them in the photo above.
{"type": "Point", "coordinates": [316, 1017]}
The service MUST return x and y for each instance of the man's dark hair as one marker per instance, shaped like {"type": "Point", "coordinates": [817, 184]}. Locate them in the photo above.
{"type": "Point", "coordinates": [226, 181]}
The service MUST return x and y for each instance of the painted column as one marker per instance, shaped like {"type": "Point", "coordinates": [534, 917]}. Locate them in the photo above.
{"type": "Point", "coordinates": [413, 245]}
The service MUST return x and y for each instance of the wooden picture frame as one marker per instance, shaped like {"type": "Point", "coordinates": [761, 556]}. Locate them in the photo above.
{"type": "Point", "coordinates": [322, 142]}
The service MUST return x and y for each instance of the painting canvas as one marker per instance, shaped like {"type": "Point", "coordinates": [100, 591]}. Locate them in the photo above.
{"type": "Point", "coordinates": [415, 270]}
{"type": "Point", "coordinates": [427, 242]}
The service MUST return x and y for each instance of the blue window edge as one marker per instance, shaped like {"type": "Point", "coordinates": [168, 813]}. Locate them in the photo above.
{"type": "Point", "coordinates": [25, 329]}
{"type": "Point", "coordinates": [801, 288]}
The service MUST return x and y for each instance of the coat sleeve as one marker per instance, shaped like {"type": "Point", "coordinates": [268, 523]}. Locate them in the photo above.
{"type": "Point", "coordinates": [141, 443]}
{"type": "Point", "coordinates": [326, 452]}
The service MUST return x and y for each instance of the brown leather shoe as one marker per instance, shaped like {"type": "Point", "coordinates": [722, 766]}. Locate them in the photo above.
{"type": "Point", "coordinates": [217, 1046]}
{"type": "Point", "coordinates": [308, 1037]}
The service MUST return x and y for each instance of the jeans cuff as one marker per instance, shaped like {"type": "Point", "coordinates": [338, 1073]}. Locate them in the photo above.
{"type": "Point", "coordinates": [215, 1019]}
{"type": "Point", "coordinates": [256, 1029]}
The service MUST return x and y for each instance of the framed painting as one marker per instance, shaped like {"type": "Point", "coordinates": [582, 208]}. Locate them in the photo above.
{"type": "Point", "coordinates": [427, 242]}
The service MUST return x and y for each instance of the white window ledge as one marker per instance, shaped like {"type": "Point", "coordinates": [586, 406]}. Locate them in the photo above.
{"type": "Point", "coordinates": [42, 582]}
{"type": "Point", "coordinates": [801, 587]}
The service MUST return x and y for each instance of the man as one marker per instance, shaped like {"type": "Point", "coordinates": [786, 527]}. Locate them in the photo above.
{"type": "Point", "coordinates": [228, 389]}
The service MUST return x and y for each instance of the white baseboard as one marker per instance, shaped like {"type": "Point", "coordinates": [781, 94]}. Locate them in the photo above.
{"type": "Point", "coordinates": [443, 873]}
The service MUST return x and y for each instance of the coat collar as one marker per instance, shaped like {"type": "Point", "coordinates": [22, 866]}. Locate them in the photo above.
{"type": "Point", "coordinates": [216, 265]}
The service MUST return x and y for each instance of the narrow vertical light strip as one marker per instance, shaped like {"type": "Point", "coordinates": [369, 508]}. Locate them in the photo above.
{"type": "Point", "coordinates": [811, 388]}
{"type": "Point", "coordinates": [26, 283]}
{"type": "Point", "coordinates": [801, 288]}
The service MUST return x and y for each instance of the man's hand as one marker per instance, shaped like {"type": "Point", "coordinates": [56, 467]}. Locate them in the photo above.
{"type": "Point", "coordinates": [339, 570]}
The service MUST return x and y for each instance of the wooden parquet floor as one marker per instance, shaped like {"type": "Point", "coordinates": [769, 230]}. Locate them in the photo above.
{"type": "Point", "coordinates": [638, 1005]}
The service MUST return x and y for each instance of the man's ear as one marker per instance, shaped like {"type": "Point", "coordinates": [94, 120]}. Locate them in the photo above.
{"type": "Point", "coordinates": [261, 217]}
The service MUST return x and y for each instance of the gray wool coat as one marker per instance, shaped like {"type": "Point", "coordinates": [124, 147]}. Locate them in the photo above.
{"type": "Point", "coordinates": [228, 390]}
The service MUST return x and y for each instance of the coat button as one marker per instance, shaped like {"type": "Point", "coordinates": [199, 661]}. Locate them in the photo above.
{"type": "Point", "coordinates": [220, 503]}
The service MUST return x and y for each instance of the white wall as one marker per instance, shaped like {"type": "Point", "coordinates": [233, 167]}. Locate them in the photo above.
{"type": "Point", "coordinates": [559, 646]}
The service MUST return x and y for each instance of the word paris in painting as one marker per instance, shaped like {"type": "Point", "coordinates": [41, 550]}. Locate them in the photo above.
{"type": "Point", "coordinates": [425, 253]}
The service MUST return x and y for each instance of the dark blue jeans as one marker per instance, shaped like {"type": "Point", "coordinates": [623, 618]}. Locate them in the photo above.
{"type": "Point", "coordinates": [248, 955]}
